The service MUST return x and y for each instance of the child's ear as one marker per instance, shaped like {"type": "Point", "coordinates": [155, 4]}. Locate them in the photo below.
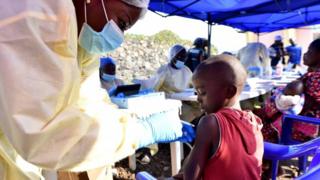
{"type": "Point", "coordinates": [231, 91]}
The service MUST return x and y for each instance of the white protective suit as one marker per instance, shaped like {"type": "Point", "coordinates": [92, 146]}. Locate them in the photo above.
{"type": "Point", "coordinates": [168, 80]}
{"type": "Point", "coordinates": [255, 55]}
{"type": "Point", "coordinates": [171, 80]}
{"type": "Point", "coordinates": [43, 116]}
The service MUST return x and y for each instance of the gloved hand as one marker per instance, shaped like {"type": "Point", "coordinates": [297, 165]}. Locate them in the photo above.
{"type": "Point", "coordinates": [146, 91]}
{"type": "Point", "coordinates": [136, 81]}
{"type": "Point", "coordinates": [188, 132]}
{"type": "Point", "coordinates": [112, 91]}
{"type": "Point", "coordinates": [164, 128]}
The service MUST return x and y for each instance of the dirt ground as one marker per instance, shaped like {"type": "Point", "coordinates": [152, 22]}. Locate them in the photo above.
{"type": "Point", "coordinates": [160, 166]}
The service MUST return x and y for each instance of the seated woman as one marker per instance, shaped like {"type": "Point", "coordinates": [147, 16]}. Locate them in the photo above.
{"type": "Point", "coordinates": [271, 113]}
{"type": "Point", "coordinates": [174, 77]}
{"type": "Point", "coordinates": [107, 73]}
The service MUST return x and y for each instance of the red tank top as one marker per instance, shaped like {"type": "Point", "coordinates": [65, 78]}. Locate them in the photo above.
{"type": "Point", "coordinates": [240, 152]}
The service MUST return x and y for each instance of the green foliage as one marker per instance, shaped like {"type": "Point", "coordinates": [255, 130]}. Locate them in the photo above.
{"type": "Point", "coordinates": [214, 50]}
{"type": "Point", "coordinates": [136, 37]}
{"type": "Point", "coordinates": [168, 37]}
{"type": "Point", "coordinates": [165, 37]}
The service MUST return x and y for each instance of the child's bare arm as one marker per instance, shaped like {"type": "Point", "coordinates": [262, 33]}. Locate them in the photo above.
{"type": "Point", "coordinates": [206, 143]}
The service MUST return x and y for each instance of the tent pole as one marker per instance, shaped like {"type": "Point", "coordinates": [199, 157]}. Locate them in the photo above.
{"type": "Point", "coordinates": [258, 37]}
{"type": "Point", "coordinates": [209, 38]}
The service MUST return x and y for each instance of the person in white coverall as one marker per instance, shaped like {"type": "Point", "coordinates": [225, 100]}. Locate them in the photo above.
{"type": "Point", "coordinates": [255, 55]}
{"type": "Point", "coordinates": [174, 77]}
{"type": "Point", "coordinates": [52, 114]}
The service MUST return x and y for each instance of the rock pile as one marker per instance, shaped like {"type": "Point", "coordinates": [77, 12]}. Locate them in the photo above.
{"type": "Point", "coordinates": [140, 58]}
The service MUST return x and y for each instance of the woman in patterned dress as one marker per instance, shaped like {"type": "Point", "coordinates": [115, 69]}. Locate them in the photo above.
{"type": "Point", "coordinates": [311, 81]}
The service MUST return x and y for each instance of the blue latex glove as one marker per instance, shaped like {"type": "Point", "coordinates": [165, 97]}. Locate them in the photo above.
{"type": "Point", "coordinates": [188, 132]}
{"type": "Point", "coordinates": [136, 81]}
{"type": "Point", "coordinates": [146, 91]}
{"type": "Point", "coordinates": [164, 128]}
{"type": "Point", "coordinates": [112, 91]}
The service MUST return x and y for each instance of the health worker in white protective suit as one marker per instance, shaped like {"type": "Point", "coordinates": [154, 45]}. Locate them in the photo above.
{"type": "Point", "coordinates": [51, 114]}
{"type": "Point", "coordinates": [174, 77]}
{"type": "Point", "coordinates": [255, 57]}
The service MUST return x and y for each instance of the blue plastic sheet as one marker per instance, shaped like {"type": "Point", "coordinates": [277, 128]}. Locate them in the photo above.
{"type": "Point", "coordinates": [249, 15]}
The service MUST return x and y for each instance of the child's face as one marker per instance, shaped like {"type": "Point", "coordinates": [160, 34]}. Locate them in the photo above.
{"type": "Point", "coordinates": [312, 57]}
{"type": "Point", "coordinates": [211, 93]}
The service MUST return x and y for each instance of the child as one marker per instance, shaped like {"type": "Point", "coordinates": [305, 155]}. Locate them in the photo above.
{"type": "Point", "coordinates": [294, 88]}
{"type": "Point", "coordinates": [288, 100]}
{"type": "Point", "coordinates": [228, 143]}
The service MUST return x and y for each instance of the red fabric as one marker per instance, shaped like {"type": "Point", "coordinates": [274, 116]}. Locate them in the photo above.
{"type": "Point", "coordinates": [312, 85]}
{"type": "Point", "coordinates": [301, 131]}
{"type": "Point", "coordinates": [239, 155]}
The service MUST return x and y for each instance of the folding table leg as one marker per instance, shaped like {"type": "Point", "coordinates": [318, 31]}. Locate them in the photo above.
{"type": "Point", "coordinates": [132, 162]}
{"type": "Point", "coordinates": [175, 157]}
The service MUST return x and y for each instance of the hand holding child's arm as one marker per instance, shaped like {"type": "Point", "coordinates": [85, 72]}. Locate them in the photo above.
{"type": "Point", "coordinates": [206, 143]}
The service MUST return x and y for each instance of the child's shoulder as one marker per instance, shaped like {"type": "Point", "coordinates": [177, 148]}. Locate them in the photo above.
{"type": "Point", "coordinates": [208, 118]}
{"type": "Point", "coordinates": [208, 122]}
{"type": "Point", "coordinates": [208, 131]}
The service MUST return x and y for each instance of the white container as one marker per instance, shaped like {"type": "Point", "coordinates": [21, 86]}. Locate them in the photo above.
{"type": "Point", "coordinates": [279, 69]}
{"type": "Point", "coordinates": [140, 100]}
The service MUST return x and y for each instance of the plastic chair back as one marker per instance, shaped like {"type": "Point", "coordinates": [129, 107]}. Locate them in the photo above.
{"type": "Point", "coordinates": [314, 168]}
{"type": "Point", "coordinates": [315, 160]}
{"type": "Point", "coordinates": [144, 176]}
{"type": "Point", "coordinates": [287, 124]}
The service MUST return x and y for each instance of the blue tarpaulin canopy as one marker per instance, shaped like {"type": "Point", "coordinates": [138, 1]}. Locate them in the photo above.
{"type": "Point", "coordinates": [249, 15]}
{"type": "Point", "coordinates": [257, 16]}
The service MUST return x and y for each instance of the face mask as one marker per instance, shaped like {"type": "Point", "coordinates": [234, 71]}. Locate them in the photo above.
{"type": "Point", "coordinates": [179, 64]}
{"type": "Point", "coordinates": [110, 38]}
{"type": "Point", "coordinates": [108, 77]}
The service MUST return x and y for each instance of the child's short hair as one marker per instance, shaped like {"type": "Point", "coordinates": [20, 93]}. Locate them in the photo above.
{"type": "Point", "coordinates": [225, 67]}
